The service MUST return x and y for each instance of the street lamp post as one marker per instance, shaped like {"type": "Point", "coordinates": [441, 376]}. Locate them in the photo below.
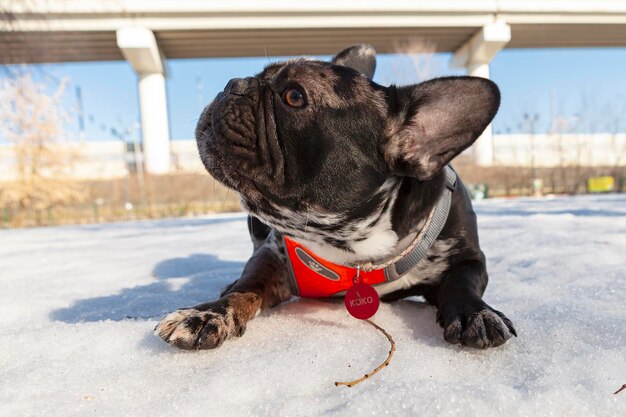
{"type": "Point", "coordinates": [530, 123]}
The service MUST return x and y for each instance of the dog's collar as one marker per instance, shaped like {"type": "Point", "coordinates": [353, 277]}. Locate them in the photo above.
{"type": "Point", "coordinates": [312, 276]}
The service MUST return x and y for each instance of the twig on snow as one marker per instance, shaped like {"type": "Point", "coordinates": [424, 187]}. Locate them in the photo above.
{"type": "Point", "coordinates": [350, 384]}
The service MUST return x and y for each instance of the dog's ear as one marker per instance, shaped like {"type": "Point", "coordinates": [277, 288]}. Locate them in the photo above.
{"type": "Point", "coordinates": [361, 58]}
{"type": "Point", "coordinates": [432, 122]}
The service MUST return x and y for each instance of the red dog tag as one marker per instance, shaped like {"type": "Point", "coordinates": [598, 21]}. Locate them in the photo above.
{"type": "Point", "coordinates": [362, 301]}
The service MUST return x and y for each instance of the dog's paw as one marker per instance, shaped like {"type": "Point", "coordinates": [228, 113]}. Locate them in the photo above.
{"type": "Point", "coordinates": [481, 329]}
{"type": "Point", "coordinates": [195, 329]}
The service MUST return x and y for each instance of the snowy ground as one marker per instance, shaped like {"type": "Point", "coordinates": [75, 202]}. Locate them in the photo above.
{"type": "Point", "coordinates": [78, 305]}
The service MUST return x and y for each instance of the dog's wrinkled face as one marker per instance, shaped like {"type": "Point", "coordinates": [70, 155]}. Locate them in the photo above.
{"type": "Point", "coordinates": [295, 134]}
{"type": "Point", "coordinates": [311, 143]}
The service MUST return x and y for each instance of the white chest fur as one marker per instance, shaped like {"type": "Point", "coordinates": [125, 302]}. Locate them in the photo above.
{"type": "Point", "coordinates": [365, 239]}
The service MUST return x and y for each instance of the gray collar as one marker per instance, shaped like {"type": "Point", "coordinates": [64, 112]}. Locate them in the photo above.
{"type": "Point", "coordinates": [429, 233]}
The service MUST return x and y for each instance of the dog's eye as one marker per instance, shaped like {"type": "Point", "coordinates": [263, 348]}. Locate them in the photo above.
{"type": "Point", "coordinates": [294, 98]}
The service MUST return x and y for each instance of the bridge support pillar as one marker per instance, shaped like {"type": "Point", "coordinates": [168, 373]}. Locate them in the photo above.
{"type": "Point", "coordinates": [475, 55]}
{"type": "Point", "coordinates": [140, 49]}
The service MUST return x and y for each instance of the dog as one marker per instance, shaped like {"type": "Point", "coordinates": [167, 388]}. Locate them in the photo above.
{"type": "Point", "coordinates": [337, 172]}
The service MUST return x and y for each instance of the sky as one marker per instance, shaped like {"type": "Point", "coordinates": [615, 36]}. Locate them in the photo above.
{"type": "Point", "coordinates": [586, 86]}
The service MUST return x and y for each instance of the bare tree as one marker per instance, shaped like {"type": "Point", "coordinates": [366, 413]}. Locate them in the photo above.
{"type": "Point", "coordinates": [32, 120]}
{"type": "Point", "coordinates": [420, 53]}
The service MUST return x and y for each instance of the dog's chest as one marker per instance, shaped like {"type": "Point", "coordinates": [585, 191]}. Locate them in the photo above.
{"type": "Point", "coordinates": [337, 237]}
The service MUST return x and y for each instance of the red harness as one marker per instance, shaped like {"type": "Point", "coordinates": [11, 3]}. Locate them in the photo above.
{"type": "Point", "coordinates": [315, 277]}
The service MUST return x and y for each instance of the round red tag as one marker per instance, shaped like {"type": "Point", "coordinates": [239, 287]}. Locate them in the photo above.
{"type": "Point", "coordinates": [362, 301]}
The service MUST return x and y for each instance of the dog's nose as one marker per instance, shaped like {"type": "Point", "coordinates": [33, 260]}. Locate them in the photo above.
{"type": "Point", "coordinates": [237, 86]}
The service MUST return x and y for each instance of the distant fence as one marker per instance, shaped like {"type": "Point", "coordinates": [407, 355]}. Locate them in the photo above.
{"type": "Point", "coordinates": [95, 213]}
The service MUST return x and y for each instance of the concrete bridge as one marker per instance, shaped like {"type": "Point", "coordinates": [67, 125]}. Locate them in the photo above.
{"type": "Point", "coordinates": [146, 33]}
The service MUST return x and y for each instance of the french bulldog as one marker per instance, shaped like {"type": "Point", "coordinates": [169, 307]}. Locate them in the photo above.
{"type": "Point", "coordinates": [351, 170]}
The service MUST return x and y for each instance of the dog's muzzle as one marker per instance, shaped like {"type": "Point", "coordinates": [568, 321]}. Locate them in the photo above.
{"type": "Point", "coordinates": [241, 86]}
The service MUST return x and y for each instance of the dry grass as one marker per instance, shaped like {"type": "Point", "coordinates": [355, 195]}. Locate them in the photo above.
{"type": "Point", "coordinates": [516, 181]}
{"type": "Point", "coordinates": [179, 195]}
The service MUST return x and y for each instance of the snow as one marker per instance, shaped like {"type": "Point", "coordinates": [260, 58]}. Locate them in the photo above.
{"type": "Point", "coordinates": [78, 305]}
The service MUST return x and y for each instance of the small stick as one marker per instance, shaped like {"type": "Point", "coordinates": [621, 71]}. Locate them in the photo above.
{"type": "Point", "coordinates": [350, 384]}
{"type": "Point", "coordinates": [620, 390]}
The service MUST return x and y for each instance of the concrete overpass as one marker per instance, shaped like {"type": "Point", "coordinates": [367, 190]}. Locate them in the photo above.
{"type": "Point", "coordinates": [146, 33]}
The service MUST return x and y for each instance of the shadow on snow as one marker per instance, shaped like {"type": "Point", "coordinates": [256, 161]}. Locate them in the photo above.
{"type": "Point", "coordinates": [198, 278]}
{"type": "Point", "coordinates": [181, 282]}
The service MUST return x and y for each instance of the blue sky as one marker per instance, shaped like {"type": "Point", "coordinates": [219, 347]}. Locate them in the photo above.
{"type": "Point", "coordinates": [589, 83]}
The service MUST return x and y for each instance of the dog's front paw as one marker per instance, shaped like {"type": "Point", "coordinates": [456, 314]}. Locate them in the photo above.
{"type": "Point", "coordinates": [479, 329]}
{"type": "Point", "coordinates": [194, 329]}
{"type": "Point", "coordinates": [208, 325]}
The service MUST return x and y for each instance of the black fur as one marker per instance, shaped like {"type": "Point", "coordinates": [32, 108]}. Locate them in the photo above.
{"type": "Point", "coordinates": [355, 162]}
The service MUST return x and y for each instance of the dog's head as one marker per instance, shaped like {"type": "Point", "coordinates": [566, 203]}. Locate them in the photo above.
{"type": "Point", "coordinates": [306, 136]}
